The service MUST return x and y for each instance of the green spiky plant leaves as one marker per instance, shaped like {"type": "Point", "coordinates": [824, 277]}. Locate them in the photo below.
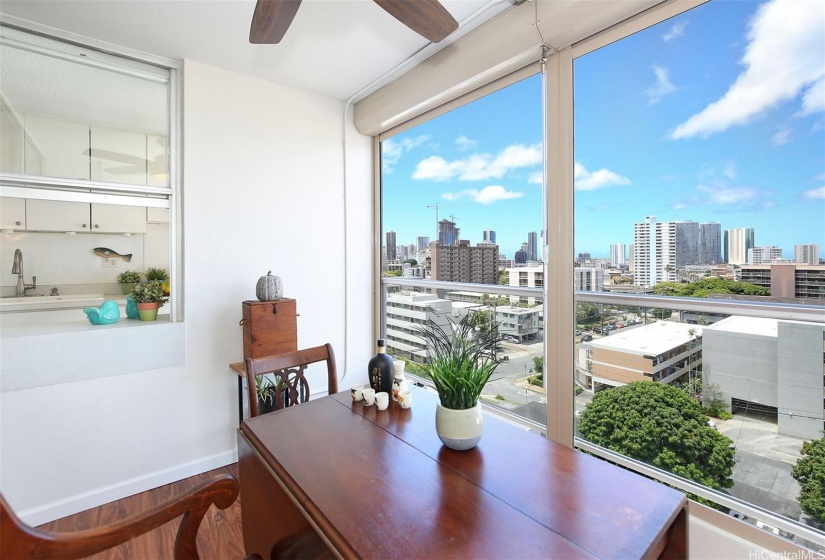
{"type": "Point", "coordinates": [460, 360]}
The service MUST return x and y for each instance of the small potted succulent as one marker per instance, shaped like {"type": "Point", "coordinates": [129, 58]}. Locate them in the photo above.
{"type": "Point", "coordinates": [128, 280]}
{"type": "Point", "coordinates": [161, 275]}
{"type": "Point", "coordinates": [149, 298]}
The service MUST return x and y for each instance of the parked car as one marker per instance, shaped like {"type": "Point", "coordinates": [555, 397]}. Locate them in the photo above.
{"type": "Point", "coordinates": [587, 338]}
{"type": "Point", "coordinates": [619, 325]}
{"type": "Point", "coordinates": [511, 339]}
{"type": "Point", "coordinates": [578, 332]}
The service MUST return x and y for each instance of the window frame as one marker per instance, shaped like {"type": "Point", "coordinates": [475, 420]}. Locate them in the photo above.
{"type": "Point", "coordinates": [557, 249]}
{"type": "Point", "coordinates": [92, 191]}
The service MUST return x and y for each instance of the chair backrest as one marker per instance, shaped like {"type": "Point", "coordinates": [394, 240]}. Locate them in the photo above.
{"type": "Point", "coordinates": [290, 382]}
{"type": "Point", "coordinates": [18, 540]}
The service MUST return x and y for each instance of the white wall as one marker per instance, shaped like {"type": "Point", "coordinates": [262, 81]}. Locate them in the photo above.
{"type": "Point", "coordinates": [263, 172]}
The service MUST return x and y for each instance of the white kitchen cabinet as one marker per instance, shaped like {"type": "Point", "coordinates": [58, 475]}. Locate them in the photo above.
{"type": "Point", "coordinates": [157, 157]}
{"type": "Point", "coordinates": [118, 156]}
{"type": "Point", "coordinates": [12, 213]}
{"type": "Point", "coordinates": [57, 215]}
{"type": "Point", "coordinates": [11, 142]}
{"type": "Point", "coordinates": [157, 215]}
{"type": "Point", "coordinates": [56, 148]}
{"type": "Point", "coordinates": [115, 218]}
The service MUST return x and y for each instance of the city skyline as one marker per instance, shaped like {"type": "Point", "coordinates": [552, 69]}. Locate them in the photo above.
{"type": "Point", "coordinates": [671, 141]}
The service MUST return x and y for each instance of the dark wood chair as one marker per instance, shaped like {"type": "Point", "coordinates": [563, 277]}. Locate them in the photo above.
{"type": "Point", "coordinates": [18, 540]}
{"type": "Point", "coordinates": [290, 381]}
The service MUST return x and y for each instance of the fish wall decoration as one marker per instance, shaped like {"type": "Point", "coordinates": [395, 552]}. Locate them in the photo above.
{"type": "Point", "coordinates": [107, 253]}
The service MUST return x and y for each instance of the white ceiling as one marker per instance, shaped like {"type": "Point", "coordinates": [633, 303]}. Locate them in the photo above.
{"type": "Point", "coordinates": [334, 48]}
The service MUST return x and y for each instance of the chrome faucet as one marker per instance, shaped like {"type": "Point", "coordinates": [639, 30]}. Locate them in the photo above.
{"type": "Point", "coordinates": [17, 268]}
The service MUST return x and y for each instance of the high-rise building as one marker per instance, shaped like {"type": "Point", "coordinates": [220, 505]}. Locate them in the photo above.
{"type": "Point", "coordinates": [422, 243]}
{"type": "Point", "coordinates": [588, 279]}
{"type": "Point", "coordinates": [447, 233]}
{"type": "Point", "coordinates": [760, 255]}
{"type": "Point", "coordinates": [391, 254]}
{"type": "Point", "coordinates": [532, 246]}
{"type": "Point", "coordinates": [710, 243]}
{"type": "Point", "coordinates": [806, 254]}
{"type": "Point", "coordinates": [463, 263]}
{"type": "Point", "coordinates": [787, 280]}
{"type": "Point", "coordinates": [737, 243]}
{"type": "Point", "coordinates": [489, 236]}
{"type": "Point", "coordinates": [660, 247]}
{"type": "Point", "coordinates": [520, 257]}
{"type": "Point", "coordinates": [618, 254]}
{"type": "Point", "coordinates": [584, 257]}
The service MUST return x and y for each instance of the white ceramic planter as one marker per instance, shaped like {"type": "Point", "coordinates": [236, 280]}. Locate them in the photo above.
{"type": "Point", "coordinates": [459, 429]}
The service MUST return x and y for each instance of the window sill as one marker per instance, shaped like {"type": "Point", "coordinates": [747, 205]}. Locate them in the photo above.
{"type": "Point", "coordinates": [50, 354]}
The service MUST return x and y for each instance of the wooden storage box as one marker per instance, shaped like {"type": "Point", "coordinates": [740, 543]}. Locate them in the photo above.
{"type": "Point", "coordinates": [269, 327]}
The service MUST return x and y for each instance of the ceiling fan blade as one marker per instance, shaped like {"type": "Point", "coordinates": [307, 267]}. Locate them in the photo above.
{"type": "Point", "coordinates": [428, 18]}
{"type": "Point", "coordinates": [271, 20]}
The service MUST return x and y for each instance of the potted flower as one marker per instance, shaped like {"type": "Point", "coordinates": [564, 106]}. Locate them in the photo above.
{"type": "Point", "coordinates": [161, 275]}
{"type": "Point", "coordinates": [128, 280]}
{"type": "Point", "coordinates": [149, 298]}
{"type": "Point", "coordinates": [460, 362]}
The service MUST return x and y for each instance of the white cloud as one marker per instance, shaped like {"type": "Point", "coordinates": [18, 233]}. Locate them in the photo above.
{"type": "Point", "coordinates": [662, 87]}
{"type": "Point", "coordinates": [784, 55]}
{"type": "Point", "coordinates": [465, 143]}
{"type": "Point", "coordinates": [782, 136]}
{"type": "Point", "coordinates": [392, 150]}
{"type": "Point", "coordinates": [479, 167]}
{"type": "Point", "coordinates": [726, 195]}
{"type": "Point", "coordinates": [814, 194]}
{"type": "Point", "coordinates": [813, 100]}
{"type": "Point", "coordinates": [487, 195]}
{"type": "Point", "coordinates": [589, 181]}
{"type": "Point", "coordinates": [536, 178]}
{"type": "Point", "coordinates": [677, 30]}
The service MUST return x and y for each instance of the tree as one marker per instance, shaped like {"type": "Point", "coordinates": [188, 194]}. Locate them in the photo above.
{"type": "Point", "coordinates": [586, 313]}
{"type": "Point", "coordinates": [481, 320]}
{"type": "Point", "coordinates": [503, 277]}
{"type": "Point", "coordinates": [538, 364]}
{"type": "Point", "coordinates": [809, 472]}
{"type": "Point", "coordinates": [662, 426]}
{"type": "Point", "coordinates": [706, 286]}
{"type": "Point", "coordinates": [412, 262]}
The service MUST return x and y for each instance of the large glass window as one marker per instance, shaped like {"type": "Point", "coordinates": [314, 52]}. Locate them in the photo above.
{"type": "Point", "coordinates": [462, 202]}
{"type": "Point", "coordinates": [698, 180]}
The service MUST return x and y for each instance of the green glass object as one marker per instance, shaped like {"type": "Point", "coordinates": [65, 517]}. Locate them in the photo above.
{"type": "Point", "coordinates": [107, 313]}
{"type": "Point", "coordinates": [131, 308]}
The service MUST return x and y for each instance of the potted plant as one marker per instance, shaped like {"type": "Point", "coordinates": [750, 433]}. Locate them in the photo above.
{"type": "Point", "coordinates": [128, 280]}
{"type": "Point", "coordinates": [266, 389]}
{"type": "Point", "coordinates": [161, 275]}
{"type": "Point", "coordinates": [460, 362]}
{"type": "Point", "coordinates": [149, 298]}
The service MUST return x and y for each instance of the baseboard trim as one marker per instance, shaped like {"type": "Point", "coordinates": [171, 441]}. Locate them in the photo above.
{"type": "Point", "coordinates": [103, 495]}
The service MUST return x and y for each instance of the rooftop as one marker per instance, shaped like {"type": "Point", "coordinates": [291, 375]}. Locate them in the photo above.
{"type": "Point", "coordinates": [746, 325]}
{"type": "Point", "coordinates": [649, 340]}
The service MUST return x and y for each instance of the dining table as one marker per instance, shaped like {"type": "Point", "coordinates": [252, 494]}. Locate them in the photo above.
{"type": "Point", "coordinates": [379, 484]}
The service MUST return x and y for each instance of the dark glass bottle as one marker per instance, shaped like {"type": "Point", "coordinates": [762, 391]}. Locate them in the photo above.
{"type": "Point", "coordinates": [380, 369]}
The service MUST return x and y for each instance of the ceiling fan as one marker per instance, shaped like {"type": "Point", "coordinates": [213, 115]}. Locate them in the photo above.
{"type": "Point", "coordinates": [428, 18]}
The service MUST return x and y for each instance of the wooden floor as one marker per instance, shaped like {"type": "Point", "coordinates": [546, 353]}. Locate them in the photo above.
{"type": "Point", "coordinates": [220, 535]}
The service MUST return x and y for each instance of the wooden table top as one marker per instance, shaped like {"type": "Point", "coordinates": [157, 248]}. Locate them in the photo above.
{"type": "Point", "coordinates": [379, 484]}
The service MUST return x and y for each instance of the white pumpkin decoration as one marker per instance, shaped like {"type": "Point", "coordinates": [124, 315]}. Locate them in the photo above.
{"type": "Point", "coordinates": [269, 288]}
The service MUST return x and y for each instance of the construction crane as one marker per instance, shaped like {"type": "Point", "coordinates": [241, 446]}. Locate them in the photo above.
{"type": "Point", "coordinates": [436, 206]}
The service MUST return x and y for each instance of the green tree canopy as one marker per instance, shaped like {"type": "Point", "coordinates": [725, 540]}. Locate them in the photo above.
{"type": "Point", "coordinates": [586, 313]}
{"type": "Point", "coordinates": [809, 472]}
{"type": "Point", "coordinates": [662, 426]}
{"type": "Point", "coordinates": [706, 286]}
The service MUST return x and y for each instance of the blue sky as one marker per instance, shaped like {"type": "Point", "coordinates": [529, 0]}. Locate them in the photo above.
{"type": "Point", "coordinates": [715, 115]}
